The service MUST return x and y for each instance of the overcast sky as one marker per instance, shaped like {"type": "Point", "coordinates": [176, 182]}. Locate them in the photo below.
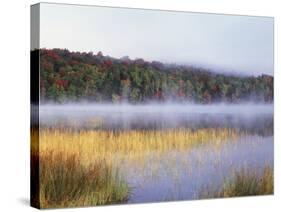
{"type": "Point", "coordinates": [222, 42]}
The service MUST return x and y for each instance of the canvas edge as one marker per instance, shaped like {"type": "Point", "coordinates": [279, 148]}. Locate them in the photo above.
{"type": "Point", "coordinates": [34, 104]}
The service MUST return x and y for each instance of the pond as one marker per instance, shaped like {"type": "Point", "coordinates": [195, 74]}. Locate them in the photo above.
{"type": "Point", "coordinates": [240, 137]}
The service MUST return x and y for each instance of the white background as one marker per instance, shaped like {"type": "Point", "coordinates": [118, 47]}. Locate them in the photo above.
{"type": "Point", "coordinates": [14, 89]}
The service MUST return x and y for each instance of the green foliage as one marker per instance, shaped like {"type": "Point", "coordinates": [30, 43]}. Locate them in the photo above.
{"type": "Point", "coordinates": [73, 76]}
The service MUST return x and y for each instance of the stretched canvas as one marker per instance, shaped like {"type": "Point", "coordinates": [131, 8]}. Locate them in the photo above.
{"type": "Point", "coordinates": [139, 106]}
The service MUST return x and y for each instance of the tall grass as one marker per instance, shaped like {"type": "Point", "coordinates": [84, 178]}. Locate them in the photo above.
{"type": "Point", "coordinates": [104, 144]}
{"type": "Point", "coordinates": [245, 182]}
{"type": "Point", "coordinates": [65, 182]}
{"type": "Point", "coordinates": [80, 168]}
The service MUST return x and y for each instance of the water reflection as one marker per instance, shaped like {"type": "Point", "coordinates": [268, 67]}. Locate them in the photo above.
{"type": "Point", "coordinates": [256, 119]}
{"type": "Point", "coordinates": [182, 175]}
{"type": "Point", "coordinates": [176, 174]}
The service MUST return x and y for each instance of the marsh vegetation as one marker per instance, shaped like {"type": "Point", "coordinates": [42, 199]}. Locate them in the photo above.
{"type": "Point", "coordinates": [108, 155]}
{"type": "Point", "coordinates": [68, 182]}
{"type": "Point", "coordinates": [245, 182]}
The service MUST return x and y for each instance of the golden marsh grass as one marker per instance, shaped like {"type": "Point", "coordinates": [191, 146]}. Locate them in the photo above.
{"type": "Point", "coordinates": [107, 145]}
{"type": "Point", "coordinates": [244, 182]}
{"type": "Point", "coordinates": [80, 168]}
{"type": "Point", "coordinates": [66, 182]}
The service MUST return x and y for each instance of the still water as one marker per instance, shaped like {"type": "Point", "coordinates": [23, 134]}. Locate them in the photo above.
{"type": "Point", "coordinates": [177, 175]}
{"type": "Point", "coordinates": [185, 175]}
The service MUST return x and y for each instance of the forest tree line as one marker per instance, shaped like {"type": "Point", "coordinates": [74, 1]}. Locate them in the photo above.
{"type": "Point", "coordinates": [75, 76]}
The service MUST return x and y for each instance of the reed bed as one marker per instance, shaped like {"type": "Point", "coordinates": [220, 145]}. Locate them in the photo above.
{"type": "Point", "coordinates": [245, 182]}
{"type": "Point", "coordinates": [97, 145]}
{"type": "Point", "coordinates": [65, 182]}
{"type": "Point", "coordinates": [81, 168]}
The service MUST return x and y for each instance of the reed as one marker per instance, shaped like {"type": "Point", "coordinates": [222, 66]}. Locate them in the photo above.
{"type": "Point", "coordinates": [81, 168]}
{"type": "Point", "coordinates": [245, 182]}
{"type": "Point", "coordinates": [96, 145]}
{"type": "Point", "coordinates": [66, 182]}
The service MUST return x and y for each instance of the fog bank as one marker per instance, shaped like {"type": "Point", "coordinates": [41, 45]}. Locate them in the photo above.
{"type": "Point", "coordinates": [156, 116]}
{"type": "Point", "coordinates": [165, 108]}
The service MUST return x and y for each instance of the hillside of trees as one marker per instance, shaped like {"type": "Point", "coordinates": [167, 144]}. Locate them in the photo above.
{"type": "Point", "coordinates": [75, 76]}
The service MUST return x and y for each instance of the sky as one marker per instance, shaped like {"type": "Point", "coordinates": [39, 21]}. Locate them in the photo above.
{"type": "Point", "coordinates": [224, 43]}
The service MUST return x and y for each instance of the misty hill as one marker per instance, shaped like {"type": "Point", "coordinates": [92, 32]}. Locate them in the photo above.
{"type": "Point", "coordinates": [74, 76]}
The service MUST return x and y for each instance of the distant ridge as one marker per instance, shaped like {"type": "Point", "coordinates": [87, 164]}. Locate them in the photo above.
{"type": "Point", "coordinates": [76, 76]}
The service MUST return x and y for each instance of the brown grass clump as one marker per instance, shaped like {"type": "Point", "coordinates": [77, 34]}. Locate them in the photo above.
{"type": "Point", "coordinates": [65, 182]}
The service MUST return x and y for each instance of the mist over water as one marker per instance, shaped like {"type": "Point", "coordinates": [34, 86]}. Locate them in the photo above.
{"type": "Point", "coordinates": [156, 116]}
{"type": "Point", "coordinates": [91, 108]}
{"type": "Point", "coordinates": [176, 174]}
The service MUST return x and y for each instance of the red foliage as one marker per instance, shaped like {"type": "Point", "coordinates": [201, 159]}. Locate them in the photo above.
{"type": "Point", "coordinates": [159, 95]}
{"type": "Point", "coordinates": [48, 66]}
{"type": "Point", "coordinates": [108, 63]}
{"type": "Point", "coordinates": [61, 83]}
{"type": "Point", "coordinates": [216, 88]}
{"type": "Point", "coordinates": [52, 54]}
